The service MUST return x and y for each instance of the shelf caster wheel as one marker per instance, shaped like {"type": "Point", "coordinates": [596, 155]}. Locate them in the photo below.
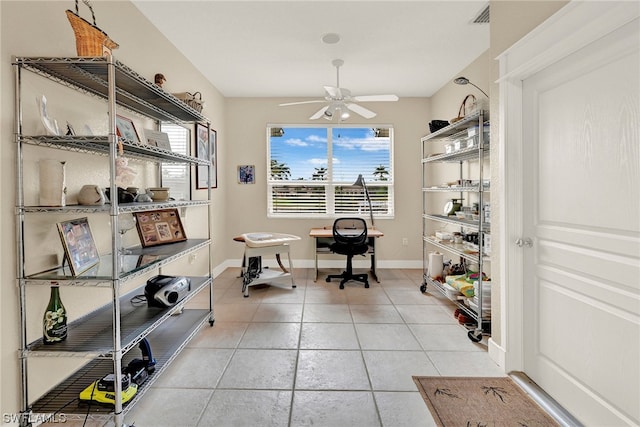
{"type": "Point", "coordinates": [211, 322]}
{"type": "Point", "coordinates": [423, 288]}
{"type": "Point", "coordinates": [475, 337]}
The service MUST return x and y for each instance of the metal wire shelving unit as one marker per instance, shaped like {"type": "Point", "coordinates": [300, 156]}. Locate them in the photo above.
{"type": "Point", "coordinates": [475, 153]}
{"type": "Point", "coordinates": [105, 336]}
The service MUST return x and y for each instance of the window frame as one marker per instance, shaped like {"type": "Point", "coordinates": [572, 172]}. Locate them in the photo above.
{"type": "Point", "coordinates": [330, 185]}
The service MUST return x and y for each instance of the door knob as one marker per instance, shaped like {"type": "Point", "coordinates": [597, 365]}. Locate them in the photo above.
{"type": "Point", "coordinates": [524, 242]}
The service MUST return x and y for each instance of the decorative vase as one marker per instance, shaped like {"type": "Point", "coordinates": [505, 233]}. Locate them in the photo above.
{"type": "Point", "coordinates": [53, 186]}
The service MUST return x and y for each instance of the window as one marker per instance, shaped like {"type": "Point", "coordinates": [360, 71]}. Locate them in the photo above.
{"type": "Point", "coordinates": [177, 175]}
{"type": "Point", "coordinates": [312, 171]}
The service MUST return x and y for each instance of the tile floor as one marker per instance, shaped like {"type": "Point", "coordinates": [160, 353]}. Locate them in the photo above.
{"type": "Point", "coordinates": [314, 355]}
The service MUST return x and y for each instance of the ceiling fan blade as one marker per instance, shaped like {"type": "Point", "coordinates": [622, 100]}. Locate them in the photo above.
{"type": "Point", "coordinates": [375, 98]}
{"type": "Point", "coordinates": [367, 114]}
{"type": "Point", "coordinates": [333, 92]}
{"type": "Point", "coordinates": [319, 113]}
{"type": "Point", "coordinates": [315, 101]}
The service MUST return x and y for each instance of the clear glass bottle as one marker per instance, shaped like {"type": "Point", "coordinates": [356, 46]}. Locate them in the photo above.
{"type": "Point", "coordinates": [54, 323]}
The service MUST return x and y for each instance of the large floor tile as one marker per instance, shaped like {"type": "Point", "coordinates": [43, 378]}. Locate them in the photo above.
{"type": "Point", "coordinates": [386, 337]}
{"type": "Point", "coordinates": [260, 369]}
{"type": "Point", "coordinates": [196, 368]}
{"type": "Point", "coordinates": [271, 335]}
{"type": "Point", "coordinates": [465, 364]}
{"type": "Point", "coordinates": [221, 335]}
{"type": "Point", "coordinates": [403, 409]}
{"type": "Point", "coordinates": [169, 407]}
{"type": "Point", "coordinates": [392, 370]}
{"type": "Point", "coordinates": [426, 314]}
{"type": "Point", "coordinates": [320, 293]}
{"type": "Point", "coordinates": [236, 312]}
{"type": "Point", "coordinates": [284, 293]}
{"type": "Point", "coordinates": [333, 409]}
{"type": "Point", "coordinates": [362, 295]}
{"type": "Point", "coordinates": [445, 338]}
{"type": "Point", "coordinates": [280, 312]}
{"type": "Point", "coordinates": [375, 313]}
{"type": "Point", "coordinates": [329, 336]}
{"type": "Point", "coordinates": [331, 370]}
{"type": "Point", "coordinates": [327, 313]}
{"type": "Point", "coordinates": [247, 408]}
{"type": "Point", "coordinates": [409, 297]}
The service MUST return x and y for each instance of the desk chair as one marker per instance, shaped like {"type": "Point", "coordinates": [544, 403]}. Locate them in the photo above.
{"type": "Point", "coordinates": [350, 235]}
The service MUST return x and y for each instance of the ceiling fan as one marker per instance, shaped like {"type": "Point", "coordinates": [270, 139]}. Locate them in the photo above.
{"type": "Point", "coordinates": [340, 101]}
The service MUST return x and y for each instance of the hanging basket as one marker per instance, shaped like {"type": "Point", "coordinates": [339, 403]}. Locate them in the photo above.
{"type": "Point", "coordinates": [464, 108]}
{"type": "Point", "coordinates": [90, 40]}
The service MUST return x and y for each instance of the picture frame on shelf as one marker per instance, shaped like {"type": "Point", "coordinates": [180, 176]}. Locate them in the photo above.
{"type": "Point", "coordinates": [126, 129]}
{"type": "Point", "coordinates": [246, 174]}
{"type": "Point", "coordinates": [206, 148]}
{"type": "Point", "coordinates": [156, 138]}
{"type": "Point", "coordinates": [79, 247]}
{"type": "Point", "coordinates": [159, 227]}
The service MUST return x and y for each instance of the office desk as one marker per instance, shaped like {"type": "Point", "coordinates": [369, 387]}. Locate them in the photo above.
{"type": "Point", "coordinates": [323, 238]}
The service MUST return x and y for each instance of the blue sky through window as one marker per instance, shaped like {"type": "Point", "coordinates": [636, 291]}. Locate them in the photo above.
{"type": "Point", "coordinates": [355, 151]}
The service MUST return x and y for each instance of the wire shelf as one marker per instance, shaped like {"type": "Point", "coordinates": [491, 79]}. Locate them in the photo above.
{"type": "Point", "coordinates": [134, 92]}
{"type": "Point", "coordinates": [166, 342]}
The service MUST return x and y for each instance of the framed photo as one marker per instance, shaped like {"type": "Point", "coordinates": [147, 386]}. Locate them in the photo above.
{"type": "Point", "coordinates": [206, 149]}
{"type": "Point", "coordinates": [126, 130]}
{"type": "Point", "coordinates": [246, 174]}
{"type": "Point", "coordinates": [79, 246]}
{"type": "Point", "coordinates": [159, 227]}
{"type": "Point", "coordinates": [158, 139]}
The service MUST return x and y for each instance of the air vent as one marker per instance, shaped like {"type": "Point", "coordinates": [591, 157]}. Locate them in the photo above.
{"type": "Point", "coordinates": [483, 16]}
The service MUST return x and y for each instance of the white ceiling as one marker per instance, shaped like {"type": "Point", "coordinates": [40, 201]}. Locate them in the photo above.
{"type": "Point", "coordinates": [274, 49]}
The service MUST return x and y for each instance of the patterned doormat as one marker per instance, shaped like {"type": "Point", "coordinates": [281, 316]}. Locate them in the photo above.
{"type": "Point", "coordinates": [481, 401]}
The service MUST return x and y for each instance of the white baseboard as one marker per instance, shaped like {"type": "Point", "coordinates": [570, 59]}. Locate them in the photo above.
{"type": "Point", "coordinates": [496, 353]}
{"type": "Point", "coordinates": [325, 263]}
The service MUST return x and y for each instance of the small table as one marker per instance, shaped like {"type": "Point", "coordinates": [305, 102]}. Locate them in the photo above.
{"type": "Point", "coordinates": [257, 245]}
{"type": "Point", "coordinates": [323, 238]}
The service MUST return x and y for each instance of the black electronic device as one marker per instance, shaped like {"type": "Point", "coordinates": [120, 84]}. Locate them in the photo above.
{"type": "Point", "coordinates": [140, 369]}
{"type": "Point", "coordinates": [166, 291]}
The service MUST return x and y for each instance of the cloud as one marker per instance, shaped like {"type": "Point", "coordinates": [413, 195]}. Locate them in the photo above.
{"type": "Point", "coordinates": [363, 144]}
{"type": "Point", "coordinates": [297, 142]}
{"type": "Point", "coordinates": [316, 138]}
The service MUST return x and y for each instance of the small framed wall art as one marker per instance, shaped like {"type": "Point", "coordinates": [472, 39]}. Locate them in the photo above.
{"type": "Point", "coordinates": [206, 148]}
{"type": "Point", "coordinates": [159, 227]}
{"type": "Point", "coordinates": [126, 130]}
{"type": "Point", "coordinates": [246, 174]}
{"type": "Point", "coordinates": [79, 247]}
{"type": "Point", "coordinates": [155, 138]}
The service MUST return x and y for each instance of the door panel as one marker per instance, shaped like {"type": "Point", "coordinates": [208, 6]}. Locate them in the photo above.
{"type": "Point", "coordinates": [582, 209]}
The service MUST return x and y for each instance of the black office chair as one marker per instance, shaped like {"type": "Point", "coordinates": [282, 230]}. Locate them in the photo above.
{"type": "Point", "coordinates": [350, 235]}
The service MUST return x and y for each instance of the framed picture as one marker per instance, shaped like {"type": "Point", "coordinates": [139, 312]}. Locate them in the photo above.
{"type": "Point", "coordinates": [126, 130]}
{"type": "Point", "coordinates": [246, 174]}
{"type": "Point", "coordinates": [159, 227]}
{"type": "Point", "coordinates": [206, 149]}
{"type": "Point", "coordinates": [79, 247]}
{"type": "Point", "coordinates": [158, 139]}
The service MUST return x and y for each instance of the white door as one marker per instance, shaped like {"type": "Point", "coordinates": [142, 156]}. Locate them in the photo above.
{"type": "Point", "coordinates": [581, 210]}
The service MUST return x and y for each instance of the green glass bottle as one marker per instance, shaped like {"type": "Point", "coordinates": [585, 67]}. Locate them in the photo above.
{"type": "Point", "coordinates": [54, 324]}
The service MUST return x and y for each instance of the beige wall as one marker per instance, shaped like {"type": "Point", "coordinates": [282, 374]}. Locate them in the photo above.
{"type": "Point", "coordinates": [40, 28]}
{"type": "Point", "coordinates": [247, 204]}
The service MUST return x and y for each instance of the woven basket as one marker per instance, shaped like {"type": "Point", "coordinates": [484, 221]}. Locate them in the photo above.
{"type": "Point", "coordinates": [193, 100]}
{"type": "Point", "coordinates": [90, 40]}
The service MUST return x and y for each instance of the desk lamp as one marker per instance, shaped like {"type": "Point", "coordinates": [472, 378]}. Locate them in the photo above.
{"type": "Point", "coordinates": [360, 183]}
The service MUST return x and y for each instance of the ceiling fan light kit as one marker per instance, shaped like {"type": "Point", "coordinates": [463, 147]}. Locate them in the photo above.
{"type": "Point", "coordinates": [340, 101]}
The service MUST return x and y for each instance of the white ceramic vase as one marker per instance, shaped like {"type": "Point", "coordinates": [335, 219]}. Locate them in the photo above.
{"type": "Point", "coordinates": [53, 186]}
